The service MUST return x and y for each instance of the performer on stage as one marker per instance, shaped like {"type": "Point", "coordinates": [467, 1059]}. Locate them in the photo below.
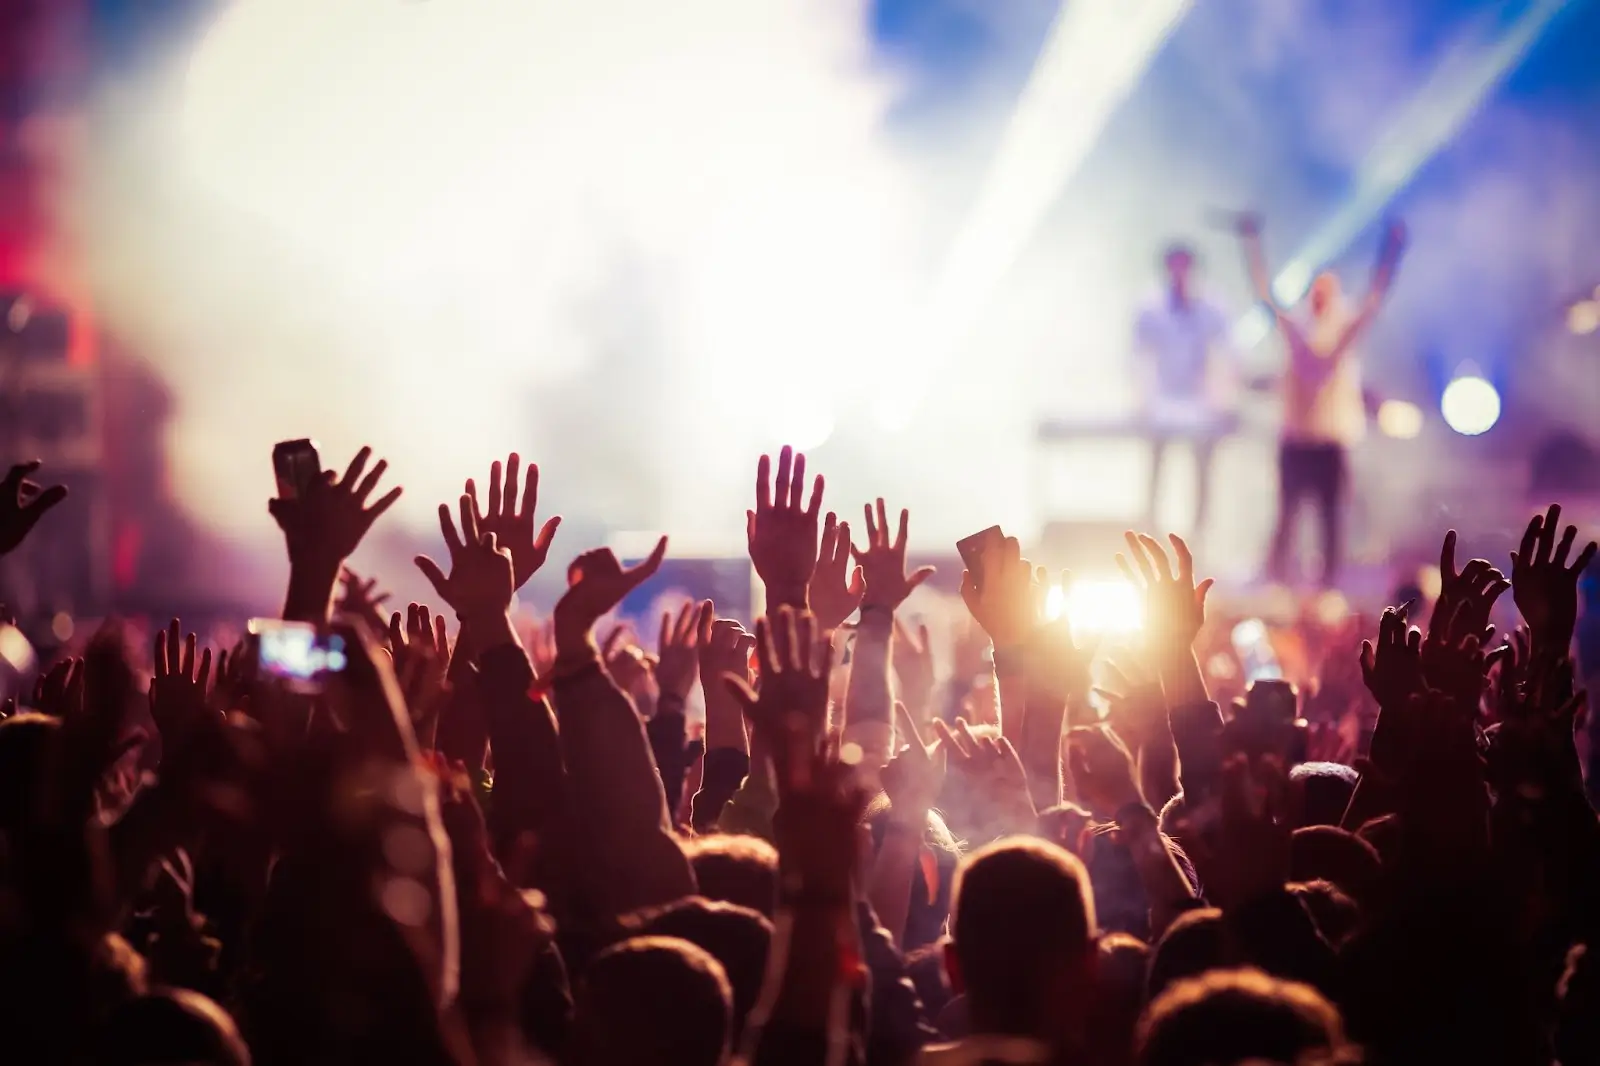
{"type": "Point", "coordinates": [1324, 412]}
{"type": "Point", "coordinates": [1187, 373]}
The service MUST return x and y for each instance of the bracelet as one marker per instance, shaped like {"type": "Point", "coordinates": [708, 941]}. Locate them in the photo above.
{"type": "Point", "coordinates": [876, 608]}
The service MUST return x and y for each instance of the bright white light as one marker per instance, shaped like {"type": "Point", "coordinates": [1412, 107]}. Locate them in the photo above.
{"type": "Point", "coordinates": [1094, 56]}
{"type": "Point", "coordinates": [1399, 419]}
{"type": "Point", "coordinates": [1097, 606]}
{"type": "Point", "coordinates": [471, 202]}
{"type": "Point", "coordinates": [1470, 406]}
{"type": "Point", "coordinates": [1583, 317]}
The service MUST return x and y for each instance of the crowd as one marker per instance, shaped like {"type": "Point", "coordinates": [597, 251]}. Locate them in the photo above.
{"type": "Point", "coordinates": [459, 844]}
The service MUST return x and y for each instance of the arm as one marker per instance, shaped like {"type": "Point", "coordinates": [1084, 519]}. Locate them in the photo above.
{"type": "Point", "coordinates": [869, 701]}
{"type": "Point", "coordinates": [321, 528]}
{"type": "Point", "coordinates": [913, 782]}
{"type": "Point", "coordinates": [1255, 262]}
{"type": "Point", "coordinates": [1382, 279]}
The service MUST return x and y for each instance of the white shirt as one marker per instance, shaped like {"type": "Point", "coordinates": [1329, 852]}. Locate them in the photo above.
{"type": "Point", "coordinates": [1186, 351]}
{"type": "Point", "coordinates": [1323, 401]}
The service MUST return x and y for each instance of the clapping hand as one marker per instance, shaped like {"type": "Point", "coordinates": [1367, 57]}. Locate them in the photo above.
{"type": "Point", "coordinates": [782, 535]}
{"type": "Point", "coordinates": [1544, 586]}
{"type": "Point", "coordinates": [22, 504]}
{"type": "Point", "coordinates": [512, 523]}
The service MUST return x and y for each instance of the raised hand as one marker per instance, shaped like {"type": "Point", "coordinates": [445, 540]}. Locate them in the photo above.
{"type": "Point", "coordinates": [325, 523]}
{"type": "Point", "coordinates": [782, 535]}
{"type": "Point", "coordinates": [23, 503]}
{"type": "Point", "coordinates": [1453, 660]}
{"type": "Point", "coordinates": [59, 690]}
{"type": "Point", "coordinates": [481, 581]}
{"type": "Point", "coordinates": [883, 562]}
{"type": "Point", "coordinates": [362, 599]}
{"type": "Point", "coordinates": [913, 777]}
{"type": "Point", "coordinates": [1175, 607]}
{"type": "Point", "coordinates": [596, 583]}
{"type": "Point", "coordinates": [1392, 667]}
{"type": "Point", "coordinates": [1244, 854]}
{"type": "Point", "coordinates": [1103, 769]}
{"type": "Point", "coordinates": [791, 710]}
{"type": "Point", "coordinates": [724, 648]}
{"type": "Point", "coordinates": [836, 591]}
{"type": "Point", "coordinates": [1003, 603]}
{"type": "Point", "coordinates": [1544, 586]}
{"type": "Point", "coordinates": [1473, 589]}
{"type": "Point", "coordinates": [678, 651]}
{"type": "Point", "coordinates": [419, 634]}
{"type": "Point", "coordinates": [421, 652]}
{"type": "Point", "coordinates": [911, 655]}
{"type": "Point", "coordinates": [997, 786]}
{"type": "Point", "coordinates": [178, 690]}
{"type": "Point", "coordinates": [513, 523]}
{"type": "Point", "coordinates": [1135, 707]}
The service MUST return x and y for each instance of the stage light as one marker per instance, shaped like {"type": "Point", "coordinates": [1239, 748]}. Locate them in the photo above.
{"type": "Point", "coordinates": [1583, 317]}
{"type": "Point", "coordinates": [1101, 606]}
{"type": "Point", "coordinates": [1094, 55]}
{"type": "Point", "coordinates": [1470, 405]}
{"type": "Point", "coordinates": [1464, 78]}
{"type": "Point", "coordinates": [1399, 419]}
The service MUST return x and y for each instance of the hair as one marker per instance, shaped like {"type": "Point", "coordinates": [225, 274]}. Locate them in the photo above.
{"type": "Point", "coordinates": [651, 1001]}
{"type": "Point", "coordinates": [736, 869]}
{"type": "Point", "coordinates": [171, 1025]}
{"type": "Point", "coordinates": [25, 738]}
{"type": "Point", "coordinates": [1194, 943]}
{"type": "Point", "coordinates": [1326, 853]}
{"type": "Point", "coordinates": [1119, 995]}
{"type": "Point", "coordinates": [1022, 912]}
{"type": "Point", "coordinates": [1333, 912]}
{"type": "Point", "coordinates": [1326, 788]}
{"type": "Point", "coordinates": [1231, 1016]}
{"type": "Point", "coordinates": [1382, 834]}
{"type": "Point", "coordinates": [737, 937]}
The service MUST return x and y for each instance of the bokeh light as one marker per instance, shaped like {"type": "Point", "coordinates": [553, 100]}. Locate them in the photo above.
{"type": "Point", "coordinates": [1470, 405]}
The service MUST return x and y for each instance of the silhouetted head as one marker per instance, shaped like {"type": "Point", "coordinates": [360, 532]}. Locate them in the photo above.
{"type": "Point", "coordinates": [1236, 1016]}
{"type": "Point", "coordinates": [1178, 259]}
{"type": "Point", "coordinates": [652, 1001]}
{"type": "Point", "coordinates": [1327, 853]}
{"type": "Point", "coordinates": [1023, 935]}
{"type": "Point", "coordinates": [1326, 293]}
{"type": "Point", "coordinates": [737, 937]}
{"type": "Point", "coordinates": [168, 1027]}
{"type": "Point", "coordinates": [735, 868]}
{"type": "Point", "coordinates": [1194, 943]}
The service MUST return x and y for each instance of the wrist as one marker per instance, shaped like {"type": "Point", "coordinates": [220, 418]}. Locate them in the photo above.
{"type": "Point", "coordinates": [787, 594]}
{"type": "Point", "coordinates": [490, 628]}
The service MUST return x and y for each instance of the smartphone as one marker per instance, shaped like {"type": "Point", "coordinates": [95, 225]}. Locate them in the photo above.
{"type": "Point", "coordinates": [296, 464]}
{"type": "Point", "coordinates": [976, 548]}
{"type": "Point", "coordinates": [1268, 722]}
{"type": "Point", "coordinates": [1253, 645]}
{"type": "Point", "coordinates": [297, 654]}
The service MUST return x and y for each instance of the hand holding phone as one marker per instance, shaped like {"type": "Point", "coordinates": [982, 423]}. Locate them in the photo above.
{"type": "Point", "coordinates": [296, 464]}
{"type": "Point", "coordinates": [976, 548]}
{"type": "Point", "coordinates": [296, 654]}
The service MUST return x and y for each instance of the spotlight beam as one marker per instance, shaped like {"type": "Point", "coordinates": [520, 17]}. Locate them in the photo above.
{"type": "Point", "coordinates": [1466, 77]}
{"type": "Point", "coordinates": [1094, 54]}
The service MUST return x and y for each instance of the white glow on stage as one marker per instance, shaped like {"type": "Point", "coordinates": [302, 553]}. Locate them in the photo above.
{"type": "Point", "coordinates": [463, 206]}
